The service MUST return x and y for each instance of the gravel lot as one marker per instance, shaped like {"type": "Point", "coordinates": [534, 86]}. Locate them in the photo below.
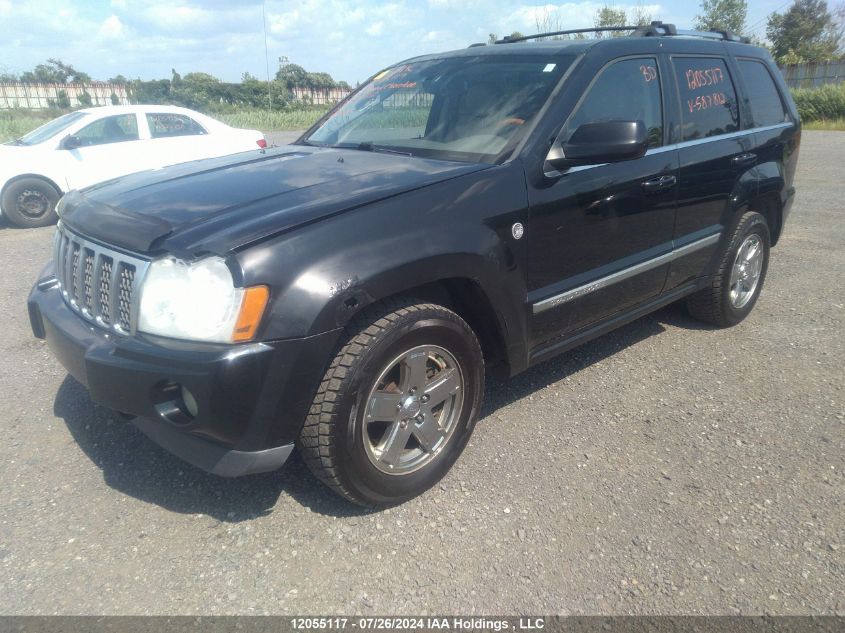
{"type": "Point", "coordinates": [665, 468]}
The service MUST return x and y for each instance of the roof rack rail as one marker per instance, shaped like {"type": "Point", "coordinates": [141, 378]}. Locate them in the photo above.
{"type": "Point", "coordinates": [728, 36]}
{"type": "Point", "coordinates": [510, 40]}
{"type": "Point", "coordinates": [655, 29]}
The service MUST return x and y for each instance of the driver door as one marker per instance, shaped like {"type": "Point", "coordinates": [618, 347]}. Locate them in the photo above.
{"type": "Point", "coordinates": [597, 231]}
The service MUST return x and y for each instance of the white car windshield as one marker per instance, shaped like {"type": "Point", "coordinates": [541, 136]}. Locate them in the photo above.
{"type": "Point", "coordinates": [465, 108]}
{"type": "Point", "coordinates": [49, 130]}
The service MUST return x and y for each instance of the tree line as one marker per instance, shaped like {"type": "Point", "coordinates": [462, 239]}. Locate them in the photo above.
{"type": "Point", "coordinates": [807, 31]}
{"type": "Point", "coordinates": [196, 90]}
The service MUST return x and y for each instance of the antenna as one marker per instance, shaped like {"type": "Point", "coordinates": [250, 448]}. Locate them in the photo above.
{"type": "Point", "coordinates": [267, 62]}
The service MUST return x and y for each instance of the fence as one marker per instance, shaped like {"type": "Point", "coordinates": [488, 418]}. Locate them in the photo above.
{"type": "Point", "coordinates": [813, 75]}
{"type": "Point", "coordinates": [320, 96]}
{"type": "Point", "coordinates": [41, 96]}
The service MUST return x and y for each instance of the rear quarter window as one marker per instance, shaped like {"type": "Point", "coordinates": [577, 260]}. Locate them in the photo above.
{"type": "Point", "coordinates": [763, 96]}
{"type": "Point", "coordinates": [167, 124]}
{"type": "Point", "coordinates": [708, 98]}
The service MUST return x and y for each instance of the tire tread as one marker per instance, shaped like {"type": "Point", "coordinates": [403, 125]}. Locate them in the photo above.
{"type": "Point", "coordinates": [315, 440]}
{"type": "Point", "coordinates": [707, 304]}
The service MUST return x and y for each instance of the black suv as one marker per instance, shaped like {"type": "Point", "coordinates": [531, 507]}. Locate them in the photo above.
{"type": "Point", "coordinates": [479, 210]}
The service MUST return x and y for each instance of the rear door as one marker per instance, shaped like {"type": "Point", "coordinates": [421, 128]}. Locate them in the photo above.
{"type": "Point", "coordinates": [775, 140]}
{"type": "Point", "coordinates": [717, 159]}
{"type": "Point", "coordinates": [597, 232]}
{"type": "Point", "coordinates": [177, 138]}
{"type": "Point", "coordinates": [108, 149]}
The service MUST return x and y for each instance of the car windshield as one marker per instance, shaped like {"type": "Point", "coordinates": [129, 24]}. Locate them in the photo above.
{"type": "Point", "coordinates": [49, 130]}
{"type": "Point", "coordinates": [472, 108]}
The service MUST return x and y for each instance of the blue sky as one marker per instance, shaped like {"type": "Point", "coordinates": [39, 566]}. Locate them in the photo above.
{"type": "Point", "coordinates": [348, 39]}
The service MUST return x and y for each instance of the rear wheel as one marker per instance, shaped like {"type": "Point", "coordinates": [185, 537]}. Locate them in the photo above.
{"type": "Point", "coordinates": [397, 404]}
{"type": "Point", "coordinates": [736, 285]}
{"type": "Point", "coordinates": [30, 202]}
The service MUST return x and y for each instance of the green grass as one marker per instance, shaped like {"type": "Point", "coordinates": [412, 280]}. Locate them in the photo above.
{"type": "Point", "coordinates": [15, 123]}
{"type": "Point", "coordinates": [826, 103]}
{"type": "Point", "coordinates": [831, 125]}
{"type": "Point", "coordinates": [272, 121]}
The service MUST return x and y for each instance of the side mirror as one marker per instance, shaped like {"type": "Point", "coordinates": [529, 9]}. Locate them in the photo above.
{"type": "Point", "coordinates": [71, 142]}
{"type": "Point", "coordinates": [601, 142]}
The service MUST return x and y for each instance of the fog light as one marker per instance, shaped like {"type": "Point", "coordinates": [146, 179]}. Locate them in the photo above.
{"type": "Point", "coordinates": [190, 402]}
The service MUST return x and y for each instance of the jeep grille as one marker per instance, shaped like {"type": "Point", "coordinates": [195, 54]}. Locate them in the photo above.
{"type": "Point", "coordinates": [99, 283]}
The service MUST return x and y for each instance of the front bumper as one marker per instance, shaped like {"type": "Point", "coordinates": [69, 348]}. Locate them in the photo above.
{"type": "Point", "coordinates": [251, 399]}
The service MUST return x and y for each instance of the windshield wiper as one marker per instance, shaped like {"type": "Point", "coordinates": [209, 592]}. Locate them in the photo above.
{"type": "Point", "coordinates": [367, 146]}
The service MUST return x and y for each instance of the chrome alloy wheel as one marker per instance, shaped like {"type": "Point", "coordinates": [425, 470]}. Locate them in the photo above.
{"type": "Point", "coordinates": [413, 409]}
{"type": "Point", "coordinates": [33, 203]}
{"type": "Point", "coordinates": [745, 275]}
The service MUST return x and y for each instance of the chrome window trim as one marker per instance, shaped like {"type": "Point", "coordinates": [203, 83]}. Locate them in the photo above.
{"type": "Point", "coordinates": [719, 137]}
{"type": "Point", "coordinates": [625, 273]}
{"type": "Point", "coordinates": [683, 144]}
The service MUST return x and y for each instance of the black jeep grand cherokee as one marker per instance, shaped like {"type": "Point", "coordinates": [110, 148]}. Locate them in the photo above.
{"type": "Point", "coordinates": [483, 209]}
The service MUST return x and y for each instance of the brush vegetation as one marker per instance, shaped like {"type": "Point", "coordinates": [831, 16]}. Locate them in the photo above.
{"type": "Point", "coordinates": [821, 108]}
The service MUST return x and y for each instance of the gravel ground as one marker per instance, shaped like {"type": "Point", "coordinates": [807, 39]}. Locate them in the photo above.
{"type": "Point", "coordinates": [665, 468]}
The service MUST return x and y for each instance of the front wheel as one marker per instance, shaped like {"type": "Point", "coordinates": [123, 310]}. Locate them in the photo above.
{"type": "Point", "coordinates": [30, 202]}
{"type": "Point", "coordinates": [736, 285]}
{"type": "Point", "coordinates": [397, 404]}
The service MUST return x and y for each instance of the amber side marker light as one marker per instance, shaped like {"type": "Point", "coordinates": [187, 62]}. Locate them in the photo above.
{"type": "Point", "coordinates": [252, 309]}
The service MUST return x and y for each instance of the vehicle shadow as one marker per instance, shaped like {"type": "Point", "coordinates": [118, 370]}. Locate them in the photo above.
{"type": "Point", "coordinates": [134, 465]}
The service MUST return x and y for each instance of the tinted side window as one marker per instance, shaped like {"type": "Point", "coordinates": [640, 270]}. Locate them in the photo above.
{"type": "Point", "coordinates": [166, 124]}
{"type": "Point", "coordinates": [766, 105]}
{"type": "Point", "coordinates": [708, 98]}
{"type": "Point", "coordinates": [110, 129]}
{"type": "Point", "coordinates": [626, 90]}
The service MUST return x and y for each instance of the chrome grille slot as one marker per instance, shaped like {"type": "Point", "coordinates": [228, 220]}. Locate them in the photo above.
{"type": "Point", "coordinates": [88, 281]}
{"type": "Point", "coordinates": [104, 292]}
{"type": "Point", "coordinates": [98, 282]}
{"type": "Point", "coordinates": [74, 273]}
{"type": "Point", "coordinates": [125, 295]}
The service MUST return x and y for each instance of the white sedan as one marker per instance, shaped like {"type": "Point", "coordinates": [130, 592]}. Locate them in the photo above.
{"type": "Point", "coordinates": [96, 144]}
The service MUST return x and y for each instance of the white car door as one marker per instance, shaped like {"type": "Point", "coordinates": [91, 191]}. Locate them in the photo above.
{"type": "Point", "coordinates": [178, 138]}
{"type": "Point", "coordinates": [102, 150]}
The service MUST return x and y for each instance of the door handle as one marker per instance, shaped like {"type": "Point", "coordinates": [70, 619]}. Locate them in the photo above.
{"type": "Point", "coordinates": [662, 183]}
{"type": "Point", "coordinates": [742, 160]}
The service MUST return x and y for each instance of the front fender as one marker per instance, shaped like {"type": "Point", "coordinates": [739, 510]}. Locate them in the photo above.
{"type": "Point", "coordinates": [323, 274]}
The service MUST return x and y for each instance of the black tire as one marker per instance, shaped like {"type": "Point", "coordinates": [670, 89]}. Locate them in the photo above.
{"type": "Point", "coordinates": [30, 202]}
{"type": "Point", "coordinates": [332, 441]}
{"type": "Point", "coordinates": [713, 304]}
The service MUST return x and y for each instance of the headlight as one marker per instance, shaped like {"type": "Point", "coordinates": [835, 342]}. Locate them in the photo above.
{"type": "Point", "coordinates": [199, 302]}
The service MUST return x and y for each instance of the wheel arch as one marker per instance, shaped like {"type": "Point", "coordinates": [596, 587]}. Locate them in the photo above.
{"type": "Point", "coordinates": [46, 179]}
{"type": "Point", "coordinates": [466, 295]}
{"type": "Point", "coordinates": [750, 194]}
{"type": "Point", "coordinates": [467, 299]}
{"type": "Point", "coordinates": [769, 206]}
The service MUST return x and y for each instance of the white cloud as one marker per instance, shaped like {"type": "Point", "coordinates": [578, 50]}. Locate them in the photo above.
{"type": "Point", "coordinates": [111, 27]}
{"type": "Point", "coordinates": [350, 39]}
{"type": "Point", "coordinates": [569, 15]}
{"type": "Point", "coordinates": [375, 29]}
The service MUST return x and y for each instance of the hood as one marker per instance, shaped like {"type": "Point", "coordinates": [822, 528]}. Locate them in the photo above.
{"type": "Point", "coordinates": [216, 205]}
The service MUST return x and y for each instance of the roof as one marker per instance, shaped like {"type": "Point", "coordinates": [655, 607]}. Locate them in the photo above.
{"type": "Point", "coordinates": [127, 109]}
{"type": "Point", "coordinates": [615, 45]}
